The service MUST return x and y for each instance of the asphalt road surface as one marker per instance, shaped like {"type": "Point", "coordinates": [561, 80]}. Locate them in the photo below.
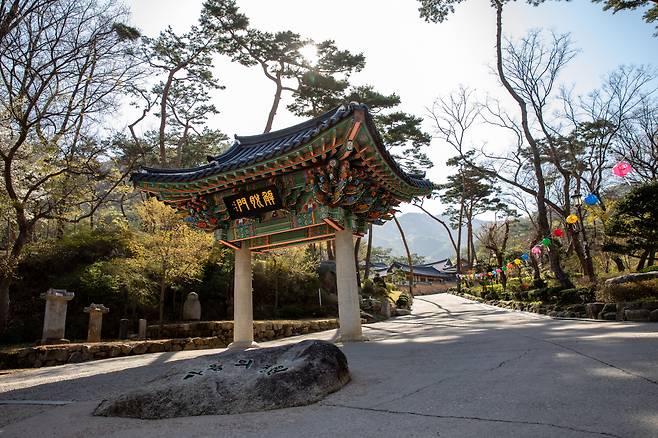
{"type": "Point", "coordinates": [454, 368]}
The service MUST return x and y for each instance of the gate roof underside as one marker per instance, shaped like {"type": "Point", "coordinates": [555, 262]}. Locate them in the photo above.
{"type": "Point", "coordinates": [334, 167]}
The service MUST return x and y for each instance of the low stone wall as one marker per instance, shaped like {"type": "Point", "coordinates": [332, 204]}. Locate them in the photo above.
{"type": "Point", "coordinates": [221, 335]}
{"type": "Point", "coordinates": [263, 330]}
{"type": "Point", "coordinates": [434, 288]}
{"type": "Point", "coordinates": [635, 311]}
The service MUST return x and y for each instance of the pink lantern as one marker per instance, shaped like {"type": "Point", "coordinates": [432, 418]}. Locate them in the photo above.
{"type": "Point", "coordinates": [498, 270]}
{"type": "Point", "coordinates": [622, 169]}
{"type": "Point", "coordinates": [535, 250]}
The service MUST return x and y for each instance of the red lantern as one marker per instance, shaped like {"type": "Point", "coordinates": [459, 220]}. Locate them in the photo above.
{"type": "Point", "coordinates": [622, 169]}
{"type": "Point", "coordinates": [558, 232]}
{"type": "Point", "coordinates": [201, 224]}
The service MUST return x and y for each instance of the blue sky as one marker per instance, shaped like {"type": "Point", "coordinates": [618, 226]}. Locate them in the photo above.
{"type": "Point", "coordinates": [419, 61]}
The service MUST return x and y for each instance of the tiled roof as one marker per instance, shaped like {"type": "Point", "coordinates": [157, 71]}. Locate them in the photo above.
{"type": "Point", "coordinates": [249, 150]}
{"type": "Point", "coordinates": [425, 270]}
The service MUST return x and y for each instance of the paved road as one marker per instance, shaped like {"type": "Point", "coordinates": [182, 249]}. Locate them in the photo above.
{"type": "Point", "coordinates": [453, 368]}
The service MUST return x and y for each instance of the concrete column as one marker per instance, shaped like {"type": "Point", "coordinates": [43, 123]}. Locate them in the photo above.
{"type": "Point", "coordinates": [349, 312]}
{"type": "Point", "coordinates": [243, 313]}
{"type": "Point", "coordinates": [54, 320]}
{"type": "Point", "coordinates": [95, 312]}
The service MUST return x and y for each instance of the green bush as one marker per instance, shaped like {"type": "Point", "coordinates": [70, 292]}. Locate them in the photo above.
{"type": "Point", "coordinates": [403, 301]}
{"type": "Point", "coordinates": [368, 288]}
{"type": "Point", "coordinates": [545, 294]}
{"type": "Point", "coordinates": [491, 295]}
{"type": "Point", "coordinates": [575, 296]}
{"type": "Point", "coordinates": [651, 268]}
{"type": "Point", "coordinates": [520, 295]}
{"type": "Point", "coordinates": [631, 291]}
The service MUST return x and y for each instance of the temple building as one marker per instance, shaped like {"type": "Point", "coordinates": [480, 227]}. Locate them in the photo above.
{"type": "Point", "coordinates": [324, 179]}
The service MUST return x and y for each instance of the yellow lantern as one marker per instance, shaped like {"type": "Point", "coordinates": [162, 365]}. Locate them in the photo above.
{"type": "Point", "coordinates": [572, 219]}
{"type": "Point", "coordinates": [517, 262]}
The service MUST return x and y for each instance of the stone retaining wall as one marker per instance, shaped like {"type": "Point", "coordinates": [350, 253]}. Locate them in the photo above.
{"type": "Point", "coordinates": [221, 334]}
{"type": "Point", "coordinates": [434, 288]}
{"type": "Point", "coordinates": [631, 311]}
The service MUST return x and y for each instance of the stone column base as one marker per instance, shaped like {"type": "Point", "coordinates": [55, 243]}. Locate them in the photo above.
{"type": "Point", "coordinates": [351, 338]}
{"type": "Point", "coordinates": [242, 345]}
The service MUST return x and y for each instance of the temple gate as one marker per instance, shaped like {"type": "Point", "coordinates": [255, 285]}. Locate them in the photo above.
{"type": "Point", "coordinates": [323, 179]}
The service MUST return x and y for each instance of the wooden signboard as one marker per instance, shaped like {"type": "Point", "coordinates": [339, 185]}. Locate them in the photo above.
{"type": "Point", "coordinates": [253, 202]}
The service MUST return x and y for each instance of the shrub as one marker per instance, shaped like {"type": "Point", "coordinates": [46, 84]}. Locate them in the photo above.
{"type": "Point", "coordinates": [368, 288]}
{"type": "Point", "coordinates": [491, 295]}
{"type": "Point", "coordinates": [545, 294]}
{"type": "Point", "coordinates": [403, 301]}
{"type": "Point", "coordinates": [631, 291]}
{"type": "Point", "coordinates": [651, 268]}
{"type": "Point", "coordinates": [575, 296]}
{"type": "Point", "coordinates": [520, 295]}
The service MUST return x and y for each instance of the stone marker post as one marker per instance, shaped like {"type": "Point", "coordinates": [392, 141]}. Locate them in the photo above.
{"type": "Point", "coordinates": [142, 329]}
{"type": "Point", "coordinates": [192, 307]}
{"type": "Point", "coordinates": [123, 328]}
{"type": "Point", "coordinates": [95, 312]}
{"type": "Point", "coordinates": [54, 320]}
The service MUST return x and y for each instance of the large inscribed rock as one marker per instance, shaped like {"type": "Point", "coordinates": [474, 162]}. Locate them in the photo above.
{"type": "Point", "coordinates": [233, 382]}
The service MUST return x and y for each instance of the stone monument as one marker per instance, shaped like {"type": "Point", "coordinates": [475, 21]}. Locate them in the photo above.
{"type": "Point", "coordinates": [95, 312]}
{"type": "Point", "coordinates": [54, 320]}
{"type": "Point", "coordinates": [192, 307]}
{"type": "Point", "coordinates": [141, 334]}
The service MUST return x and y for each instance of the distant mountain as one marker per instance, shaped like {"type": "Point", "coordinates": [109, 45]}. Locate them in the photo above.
{"type": "Point", "coordinates": [425, 236]}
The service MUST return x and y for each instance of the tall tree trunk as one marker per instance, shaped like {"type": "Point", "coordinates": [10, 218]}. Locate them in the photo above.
{"type": "Point", "coordinates": [366, 273]}
{"type": "Point", "coordinates": [406, 248]}
{"type": "Point", "coordinates": [458, 247]}
{"type": "Point", "coordinates": [182, 144]}
{"type": "Point", "coordinates": [619, 263]}
{"type": "Point", "coordinates": [542, 214]}
{"type": "Point", "coordinates": [469, 239]}
{"type": "Point", "coordinates": [584, 259]}
{"type": "Point", "coordinates": [25, 232]}
{"type": "Point", "coordinates": [357, 246]}
{"type": "Point", "coordinates": [330, 250]}
{"type": "Point", "coordinates": [163, 117]}
{"type": "Point", "coordinates": [643, 260]}
{"type": "Point", "coordinates": [275, 104]}
{"type": "Point", "coordinates": [163, 287]}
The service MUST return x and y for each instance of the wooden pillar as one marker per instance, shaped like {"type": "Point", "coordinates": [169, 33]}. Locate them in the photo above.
{"type": "Point", "coordinates": [348, 293]}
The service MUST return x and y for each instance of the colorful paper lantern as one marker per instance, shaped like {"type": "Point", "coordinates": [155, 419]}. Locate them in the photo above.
{"type": "Point", "coordinates": [546, 241]}
{"type": "Point", "coordinates": [498, 270]}
{"type": "Point", "coordinates": [517, 262]}
{"type": "Point", "coordinates": [572, 219]}
{"type": "Point", "coordinates": [558, 232]}
{"type": "Point", "coordinates": [536, 250]}
{"type": "Point", "coordinates": [591, 199]}
{"type": "Point", "coordinates": [525, 257]}
{"type": "Point", "coordinates": [622, 169]}
{"type": "Point", "coordinates": [504, 268]}
{"type": "Point", "coordinates": [510, 265]}
{"type": "Point", "coordinates": [201, 224]}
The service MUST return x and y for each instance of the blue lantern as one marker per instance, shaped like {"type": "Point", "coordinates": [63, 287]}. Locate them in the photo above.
{"type": "Point", "coordinates": [525, 257]}
{"type": "Point", "coordinates": [591, 199]}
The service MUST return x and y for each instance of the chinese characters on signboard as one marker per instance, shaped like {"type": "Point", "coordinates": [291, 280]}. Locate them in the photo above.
{"type": "Point", "coordinates": [252, 203]}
